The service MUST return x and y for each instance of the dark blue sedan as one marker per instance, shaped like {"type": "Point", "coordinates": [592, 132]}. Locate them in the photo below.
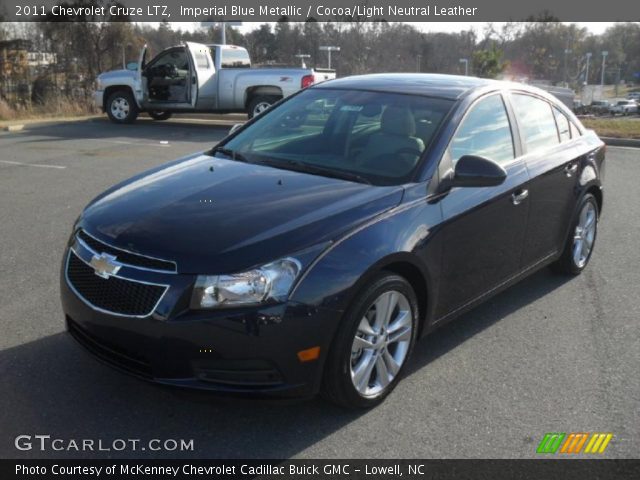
{"type": "Point", "coordinates": [310, 249]}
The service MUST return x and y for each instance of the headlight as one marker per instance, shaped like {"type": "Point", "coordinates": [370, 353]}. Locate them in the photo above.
{"type": "Point", "coordinates": [270, 283]}
{"type": "Point", "coordinates": [98, 84]}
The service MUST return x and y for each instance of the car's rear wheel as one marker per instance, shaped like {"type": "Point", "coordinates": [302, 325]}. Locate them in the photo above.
{"type": "Point", "coordinates": [260, 103]}
{"type": "Point", "coordinates": [373, 344]}
{"type": "Point", "coordinates": [121, 107]}
{"type": "Point", "coordinates": [579, 246]}
{"type": "Point", "coordinates": [158, 115]}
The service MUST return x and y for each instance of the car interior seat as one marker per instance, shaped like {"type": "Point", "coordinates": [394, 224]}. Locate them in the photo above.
{"type": "Point", "coordinates": [396, 137]}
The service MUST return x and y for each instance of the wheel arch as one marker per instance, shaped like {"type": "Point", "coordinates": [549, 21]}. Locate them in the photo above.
{"type": "Point", "coordinates": [268, 90]}
{"type": "Point", "coordinates": [418, 281]}
{"type": "Point", "coordinates": [596, 191]}
{"type": "Point", "coordinates": [111, 89]}
{"type": "Point", "coordinates": [404, 264]}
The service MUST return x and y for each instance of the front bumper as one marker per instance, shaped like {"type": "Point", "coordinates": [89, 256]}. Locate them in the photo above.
{"type": "Point", "coordinates": [245, 351]}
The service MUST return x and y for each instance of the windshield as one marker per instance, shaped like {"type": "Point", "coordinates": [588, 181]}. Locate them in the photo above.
{"type": "Point", "coordinates": [371, 137]}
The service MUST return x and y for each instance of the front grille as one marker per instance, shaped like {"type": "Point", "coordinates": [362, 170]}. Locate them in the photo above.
{"type": "Point", "coordinates": [113, 295]}
{"type": "Point", "coordinates": [113, 355]}
{"type": "Point", "coordinates": [126, 257]}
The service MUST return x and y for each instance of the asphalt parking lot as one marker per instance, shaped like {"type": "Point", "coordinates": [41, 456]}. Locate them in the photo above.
{"type": "Point", "coordinates": [549, 355]}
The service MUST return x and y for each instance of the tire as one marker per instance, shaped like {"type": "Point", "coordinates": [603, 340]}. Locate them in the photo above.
{"type": "Point", "coordinates": [121, 107]}
{"type": "Point", "coordinates": [581, 240]}
{"type": "Point", "coordinates": [260, 103]}
{"type": "Point", "coordinates": [353, 349]}
{"type": "Point", "coordinates": [159, 116]}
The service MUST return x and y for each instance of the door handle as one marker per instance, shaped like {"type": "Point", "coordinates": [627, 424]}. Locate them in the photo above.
{"type": "Point", "coordinates": [570, 169]}
{"type": "Point", "coordinates": [518, 197]}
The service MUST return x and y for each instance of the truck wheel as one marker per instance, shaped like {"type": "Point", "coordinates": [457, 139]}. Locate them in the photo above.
{"type": "Point", "coordinates": [157, 115]}
{"type": "Point", "coordinates": [259, 104]}
{"type": "Point", "coordinates": [122, 107]}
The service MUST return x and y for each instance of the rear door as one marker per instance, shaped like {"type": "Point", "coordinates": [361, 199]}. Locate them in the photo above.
{"type": "Point", "coordinates": [483, 227]}
{"type": "Point", "coordinates": [553, 165]}
{"type": "Point", "coordinates": [203, 73]}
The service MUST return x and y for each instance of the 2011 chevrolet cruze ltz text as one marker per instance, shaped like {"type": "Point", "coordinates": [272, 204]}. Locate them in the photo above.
{"type": "Point", "coordinates": [310, 249]}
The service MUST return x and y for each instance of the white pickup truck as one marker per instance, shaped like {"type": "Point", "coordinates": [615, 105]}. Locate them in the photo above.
{"type": "Point", "coordinates": [624, 107]}
{"type": "Point", "coordinates": [198, 78]}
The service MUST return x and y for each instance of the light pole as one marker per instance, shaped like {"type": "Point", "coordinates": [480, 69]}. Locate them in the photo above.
{"type": "Point", "coordinates": [466, 66]}
{"type": "Point", "coordinates": [329, 49]}
{"type": "Point", "coordinates": [223, 29]}
{"type": "Point", "coordinates": [302, 56]}
{"type": "Point", "coordinates": [604, 59]}
{"type": "Point", "coordinates": [566, 52]}
{"type": "Point", "coordinates": [586, 73]}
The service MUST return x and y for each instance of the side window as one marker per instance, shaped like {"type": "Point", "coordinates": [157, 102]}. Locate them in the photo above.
{"type": "Point", "coordinates": [173, 57]}
{"type": "Point", "coordinates": [484, 131]}
{"type": "Point", "coordinates": [536, 121]}
{"type": "Point", "coordinates": [563, 125]}
{"type": "Point", "coordinates": [235, 58]}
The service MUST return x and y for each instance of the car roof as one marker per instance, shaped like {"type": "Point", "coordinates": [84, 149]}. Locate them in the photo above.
{"type": "Point", "coordinates": [425, 84]}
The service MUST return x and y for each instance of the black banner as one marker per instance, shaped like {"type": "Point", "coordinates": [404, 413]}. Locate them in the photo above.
{"type": "Point", "coordinates": [322, 469]}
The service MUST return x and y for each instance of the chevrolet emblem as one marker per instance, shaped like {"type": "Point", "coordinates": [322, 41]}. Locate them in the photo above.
{"type": "Point", "coordinates": [104, 265]}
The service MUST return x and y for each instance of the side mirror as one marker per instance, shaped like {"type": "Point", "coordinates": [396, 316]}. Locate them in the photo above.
{"type": "Point", "coordinates": [475, 171]}
{"type": "Point", "coordinates": [133, 66]}
{"type": "Point", "coordinates": [235, 127]}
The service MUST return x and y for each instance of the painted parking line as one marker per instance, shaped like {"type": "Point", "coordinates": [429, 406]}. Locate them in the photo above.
{"type": "Point", "coordinates": [162, 143]}
{"type": "Point", "coordinates": [37, 165]}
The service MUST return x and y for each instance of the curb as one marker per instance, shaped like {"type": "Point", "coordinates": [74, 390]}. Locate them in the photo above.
{"type": "Point", "coordinates": [621, 142]}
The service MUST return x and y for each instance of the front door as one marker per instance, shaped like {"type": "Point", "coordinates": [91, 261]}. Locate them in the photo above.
{"type": "Point", "coordinates": [483, 227]}
{"type": "Point", "coordinates": [167, 80]}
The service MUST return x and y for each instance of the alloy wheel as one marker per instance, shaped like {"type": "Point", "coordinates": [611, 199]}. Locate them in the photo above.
{"type": "Point", "coordinates": [381, 343]}
{"type": "Point", "coordinates": [585, 234]}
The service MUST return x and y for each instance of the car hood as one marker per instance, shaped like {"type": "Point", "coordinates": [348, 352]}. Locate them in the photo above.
{"type": "Point", "coordinates": [116, 74]}
{"type": "Point", "coordinates": [212, 215]}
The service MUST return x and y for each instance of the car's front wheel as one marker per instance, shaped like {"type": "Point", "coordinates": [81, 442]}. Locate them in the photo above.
{"type": "Point", "coordinates": [373, 343]}
{"type": "Point", "coordinates": [579, 246]}
{"type": "Point", "coordinates": [121, 107]}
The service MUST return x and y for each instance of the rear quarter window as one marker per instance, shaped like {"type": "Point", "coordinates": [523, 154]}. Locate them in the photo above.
{"type": "Point", "coordinates": [564, 128]}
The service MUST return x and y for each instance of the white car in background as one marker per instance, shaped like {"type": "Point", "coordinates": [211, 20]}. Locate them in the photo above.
{"type": "Point", "coordinates": [624, 107]}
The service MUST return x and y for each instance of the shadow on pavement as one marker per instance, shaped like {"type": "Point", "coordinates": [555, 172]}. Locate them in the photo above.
{"type": "Point", "coordinates": [51, 386]}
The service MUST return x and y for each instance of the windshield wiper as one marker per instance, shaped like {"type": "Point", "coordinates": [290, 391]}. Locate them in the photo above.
{"type": "Point", "coordinates": [315, 169]}
{"type": "Point", "coordinates": [230, 153]}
